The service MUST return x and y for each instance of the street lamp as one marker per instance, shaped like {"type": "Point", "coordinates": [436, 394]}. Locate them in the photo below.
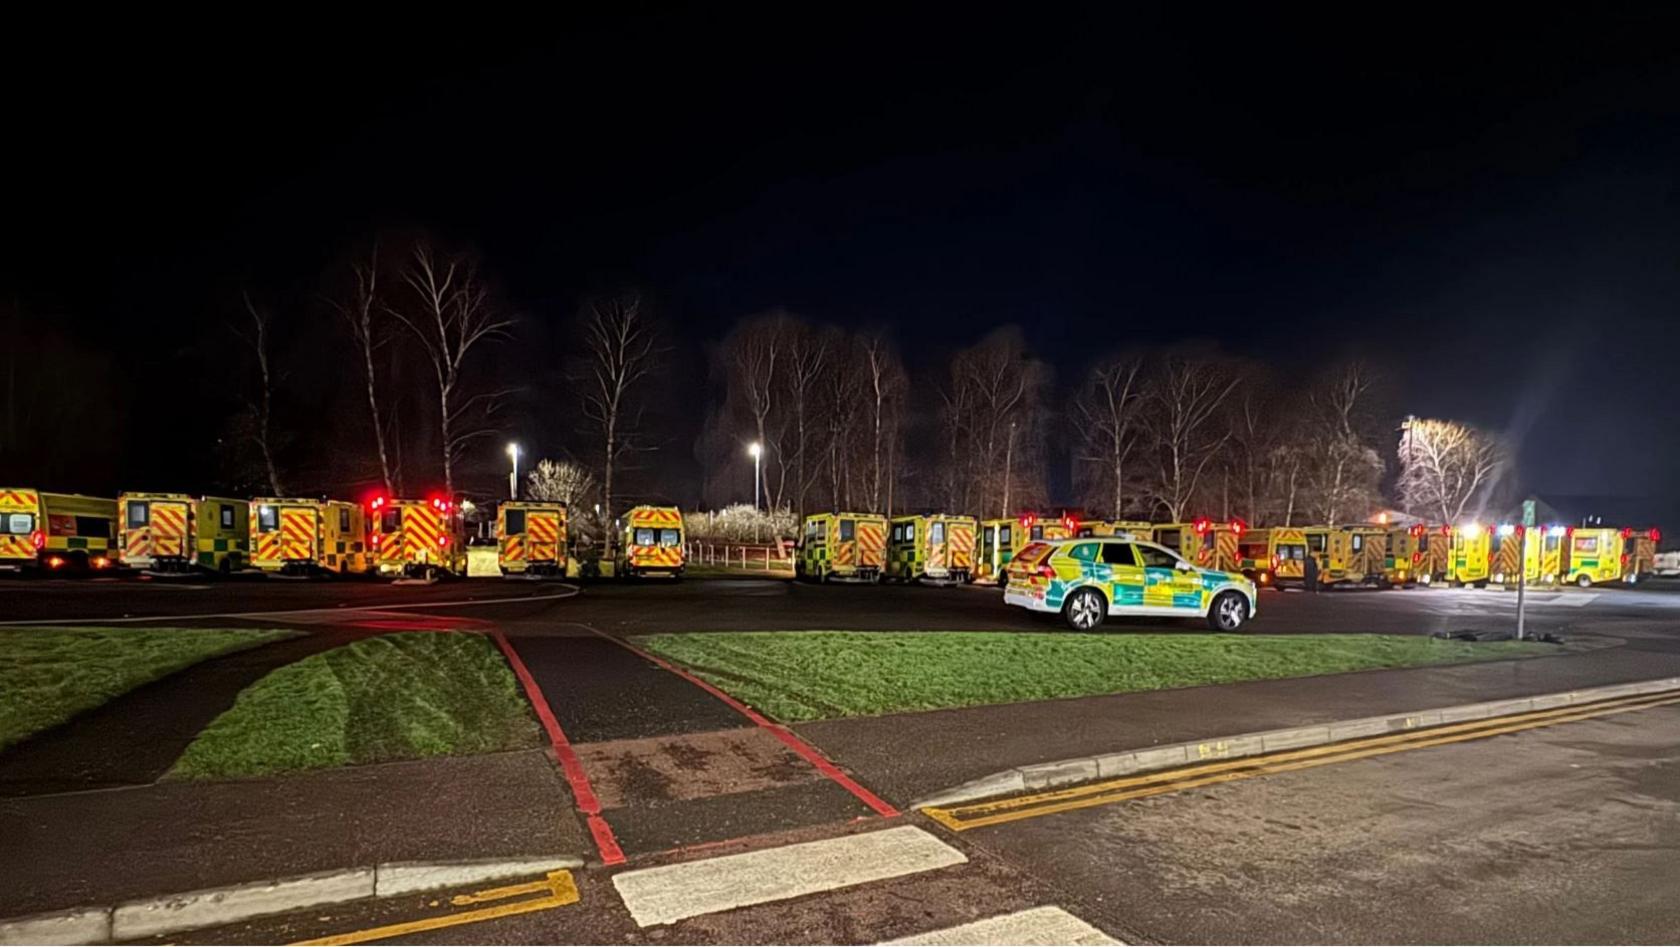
{"type": "Point", "coordinates": [513, 475]}
{"type": "Point", "coordinates": [756, 450]}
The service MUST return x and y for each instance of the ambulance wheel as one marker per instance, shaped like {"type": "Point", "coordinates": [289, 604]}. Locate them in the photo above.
{"type": "Point", "coordinates": [1228, 612]}
{"type": "Point", "coordinates": [1584, 581]}
{"type": "Point", "coordinates": [1084, 610]}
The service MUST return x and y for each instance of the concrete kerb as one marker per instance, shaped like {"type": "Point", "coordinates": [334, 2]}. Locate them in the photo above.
{"type": "Point", "coordinates": [213, 907]}
{"type": "Point", "coordinates": [1127, 762]}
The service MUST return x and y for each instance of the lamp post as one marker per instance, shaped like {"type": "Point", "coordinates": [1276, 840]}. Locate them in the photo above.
{"type": "Point", "coordinates": [756, 450]}
{"type": "Point", "coordinates": [513, 475]}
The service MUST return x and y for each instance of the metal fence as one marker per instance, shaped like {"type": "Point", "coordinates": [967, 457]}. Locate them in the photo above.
{"type": "Point", "coordinates": [774, 557]}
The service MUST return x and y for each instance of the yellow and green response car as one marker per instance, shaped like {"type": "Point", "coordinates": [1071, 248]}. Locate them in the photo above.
{"type": "Point", "coordinates": [1089, 579]}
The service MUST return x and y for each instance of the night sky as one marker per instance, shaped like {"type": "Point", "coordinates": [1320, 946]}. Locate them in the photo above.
{"type": "Point", "coordinates": [1487, 208]}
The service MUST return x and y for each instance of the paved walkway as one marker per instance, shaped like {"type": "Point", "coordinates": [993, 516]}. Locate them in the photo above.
{"type": "Point", "coordinates": [672, 764]}
{"type": "Point", "coordinates": [97, 847]}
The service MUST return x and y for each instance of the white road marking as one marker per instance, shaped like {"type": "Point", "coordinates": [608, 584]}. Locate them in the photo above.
{"type": "Point", "coordinates": [688, 889]}
{"type": "Point", "coordinates": [567, 592]}
{"type": "Point", "coordinates": [1035, 926]}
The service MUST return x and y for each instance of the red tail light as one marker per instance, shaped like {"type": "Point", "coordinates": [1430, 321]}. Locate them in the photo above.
{"type": "Point", "coordinates": [38, 539]}
{"type": "Point", "coordinates": [443, 540]}
{"type": "Point", "coordinates": [1417, 557]}
{"type": "Point", "coordinates": [376, 540]}
{"type": "Point", "coordinates": [1275, 563]}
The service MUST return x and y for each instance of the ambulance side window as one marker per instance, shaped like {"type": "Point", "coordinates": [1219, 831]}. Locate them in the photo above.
{"type": "Point", "coordinates": [139, 513]}
{"type": "Point", "coordinates": [846, 530]}
{"type": "Point", "coordinates": [268, 518]}
{"type": "Point", "coordinates": [1036, 533]}
{"type": "Point", "coordinates": [515, 522]}
{"type": "Point", "coordinates": [909, 532]}
{"type": "Point", "coordinates": [227, 516]}
{"type": "Point", "coordinates": [1358, 542]}
{"type": "Point", "coordinates": [1003, 535]}
{"type": "Point", "coordinates": [344, 519]}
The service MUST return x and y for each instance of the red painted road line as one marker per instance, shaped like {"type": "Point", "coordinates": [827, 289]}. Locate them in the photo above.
{"type": "Point", "coordinates": [588, 804]}
{"type": "Point", "coordinates": [810, 753]}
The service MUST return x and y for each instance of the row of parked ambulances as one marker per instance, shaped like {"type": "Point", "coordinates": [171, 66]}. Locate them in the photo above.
{"type": "Point", "coordinates": [173, 532]}
{"type": "Point", "coordinates": [942, 548]}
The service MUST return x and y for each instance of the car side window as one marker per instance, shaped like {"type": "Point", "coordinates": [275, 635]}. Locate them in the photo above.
{"type": "Point", "coordinates": [1118, 554]}
{"type": "Point", "coordinates": [1084, 552]}
{"type": "Point", "coordinates": [1154, 558]}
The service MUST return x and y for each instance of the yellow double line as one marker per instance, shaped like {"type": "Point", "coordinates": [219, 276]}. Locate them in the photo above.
{"type": "Point", "coordinates": [557, 890]}
{"type": "Point", "coordinates": [963, 817]}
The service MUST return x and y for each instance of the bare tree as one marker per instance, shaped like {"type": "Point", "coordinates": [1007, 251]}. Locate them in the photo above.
{"type": "Point", "coordinates": [363, 315]}
{"type": "Point", "coordinates": [263, 408]}
{"type": "Point", "coordinates": [1445, 465]}
{"type": "Point", "coordinates": [994, 423]}
{"type": "Point", "coordinates": [884, 382]}
{"type": "Point", "coordinates": [808, 361]}
{"type": "Point", "coordinates": [1181, 426]}
{"type": "Point", "coordinates": [1346, 470]}
{"type": "Point", "coordinates": [1106, 412]}
{"type": "Point", "coordinates": [754, 361]}
{"type": "Point", "coordinates": [622, 345]}
{"type": "Point", "coordinates": [841, 391]}
{"type": "Point", "coordinates": [452, 313]}
{"type": "Point", "coordinates": [560, 482]}
{"type": "Point", "coordinates": [1255, 435]}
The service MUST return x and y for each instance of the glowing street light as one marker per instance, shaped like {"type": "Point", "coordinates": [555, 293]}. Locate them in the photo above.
{"type": "Point", "coordinates": [513, 475]}
{"type": "Point", "coordinates": [756, 450]}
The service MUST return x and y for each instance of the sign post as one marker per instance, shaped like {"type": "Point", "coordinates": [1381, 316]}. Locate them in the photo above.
{"type": "Point", "coordinates": [1522, 562]}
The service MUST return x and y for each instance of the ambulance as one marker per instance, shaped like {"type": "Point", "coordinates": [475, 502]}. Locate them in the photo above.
{"type": "Point", "coordinates": [300, 536]}
{"type": "Point", "coordinates": [1205, 543]}
{"type": "Point", "coordinates": [1354, 556]}
{"type": "Point", "coordinates": [1134, 529]}
{"type": "Point", "coordinates": [1405, 556]}
{"type": "Point", "coordinates": [1272, 556]}
{"type": "Point", "coordinates": [1516, 555]}
{"type": "Point", "coordinates": [936, 549]}
{"type": "Point", "coordinates": [1470, 560]}
{"type": "Point", "coordinates": [1640, 551]}
{"type": "Point", "coordinates": [842, 547]}
{"type": "Point", "coordinates": [531, 538]}
{"type": "Point", "coordinates": [416, 538]}
{"type": "Point", "coordinates": [55, 531]}
{"type": "Point", "coordinates": [1591, 555]}
{"type": "Point", "coordinates": [174, 532]}
{"type": "Point", "coordinates": [652, 542]}
{"type": "Point", "coordinates": [1000, 539]}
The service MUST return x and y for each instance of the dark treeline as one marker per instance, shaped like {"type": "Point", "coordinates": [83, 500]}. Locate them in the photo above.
{"type": "Point", "coordinates": [404, 368]}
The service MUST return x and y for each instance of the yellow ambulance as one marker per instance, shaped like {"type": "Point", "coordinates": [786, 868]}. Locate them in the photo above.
{"type": "Point", "coordinates": [55, 531]}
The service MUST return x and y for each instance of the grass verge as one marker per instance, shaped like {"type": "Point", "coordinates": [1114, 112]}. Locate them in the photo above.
{"type": "Point", "coordinates": [48, 675]}
{"type": "Point", "coordinates": [813, 675]}
{"type": "Point", "coordinates": [394, 697]}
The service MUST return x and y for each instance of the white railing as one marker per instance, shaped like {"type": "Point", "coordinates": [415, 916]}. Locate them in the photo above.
{"type": "Point", "coordinates": [763, 558]}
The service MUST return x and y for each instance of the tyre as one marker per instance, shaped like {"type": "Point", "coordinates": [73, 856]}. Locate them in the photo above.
{"type": "Point", "coordinates": [1228, 612]}
{"type": "Point", "coordinates": [1085, 609]}
{"type": "Point", "coordinates": [1584, 581]}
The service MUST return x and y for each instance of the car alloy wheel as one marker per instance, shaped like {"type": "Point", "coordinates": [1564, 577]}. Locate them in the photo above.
{"type": "Point", "coordinates": [1085, 610]}
{"type": "Point", "coordinates": [1230, 610]}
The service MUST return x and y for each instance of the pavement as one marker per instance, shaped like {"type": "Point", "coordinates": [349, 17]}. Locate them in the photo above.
{"type": "Point", "coordinates": [679, 774]}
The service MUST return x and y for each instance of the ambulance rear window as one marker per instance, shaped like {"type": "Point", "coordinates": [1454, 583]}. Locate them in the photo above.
{"type": "Point", "coordinates": [515, 522]}
{"type": "Point", "coordinates": [391, 522]}
{"type": "Point", "coordinates": [19, 524]}
{"type": "Point", "coordinates": [268, 518]}
{"type": "Point", "coordinates": [846, 530]}
{"type": "Point", "coordinates": [139, 512]}
{"type": "Point", "coordinates": [668, 537]}
{"type": "Point", "coordinates": [644, 536]}
{"type": "Point", "coordinates": [936, 533]}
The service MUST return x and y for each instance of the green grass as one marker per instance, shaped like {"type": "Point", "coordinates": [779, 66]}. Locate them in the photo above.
{"type": "Point", "coordinates": [48, 675]}
{"type": "Point", "coordinates": [394, 697]}
{"type": "Point", "coordinates": [795, 676]}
